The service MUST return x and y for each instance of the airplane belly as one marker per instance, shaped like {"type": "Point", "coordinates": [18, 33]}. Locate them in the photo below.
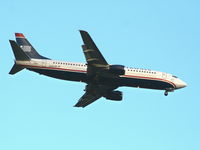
{"type": "Point", "coordinates": [145, 83]}
{"type": "Point", "coordinates": [64, 75]}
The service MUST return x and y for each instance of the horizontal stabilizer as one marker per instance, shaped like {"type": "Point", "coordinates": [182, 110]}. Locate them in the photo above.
{"type": "Point", "coordinates": [18, 52]}
{"type": "Point", "coordinates": [16, 68]}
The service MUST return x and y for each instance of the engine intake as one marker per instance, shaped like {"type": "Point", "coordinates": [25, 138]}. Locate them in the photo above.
{"type": "Point", "coordinates": [117, 69]}
{"type": "Point", "coordinates": [114, 95]}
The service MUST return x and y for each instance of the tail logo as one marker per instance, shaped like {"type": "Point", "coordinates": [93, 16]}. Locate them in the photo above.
{"type": "Point", "coordinates": [26, 48]}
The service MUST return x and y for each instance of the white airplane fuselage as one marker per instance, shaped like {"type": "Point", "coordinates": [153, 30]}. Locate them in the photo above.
{"type": "Point", "coordinates": [133, 77]}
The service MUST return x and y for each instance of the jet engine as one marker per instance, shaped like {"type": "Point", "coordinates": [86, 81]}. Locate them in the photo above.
{"type": "Point", "coordinates": [117, 69]}
{"type": "Point", "coordinates": [114, 95]}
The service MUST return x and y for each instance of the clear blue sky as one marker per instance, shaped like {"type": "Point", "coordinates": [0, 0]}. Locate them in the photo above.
{"type": "Point", "coordinates": [36, 112]}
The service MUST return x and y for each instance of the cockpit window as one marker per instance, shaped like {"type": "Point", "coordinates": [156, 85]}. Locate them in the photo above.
{"type": "Point", "coordinates": [175, 76]}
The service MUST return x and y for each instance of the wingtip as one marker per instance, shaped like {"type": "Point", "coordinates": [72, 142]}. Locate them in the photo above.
{"type": "Point", "coordinates": [83, 31]}
{"type": "Point", "coordinates": [78, 105]}
{"type": "Point", "coordinates": [19, 35]}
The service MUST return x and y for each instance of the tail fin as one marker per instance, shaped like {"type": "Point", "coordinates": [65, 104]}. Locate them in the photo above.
{"type": "Point", "coordinates": [19, 55]}
{"type": "Point", "coordinates": [27, 47]}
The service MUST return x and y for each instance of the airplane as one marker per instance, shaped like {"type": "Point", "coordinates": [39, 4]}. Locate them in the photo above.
{"type": "Point", "coordinates": [101, 78]}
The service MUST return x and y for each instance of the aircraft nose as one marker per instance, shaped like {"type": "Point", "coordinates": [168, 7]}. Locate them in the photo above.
{"type": "Point", "coordinates": [180, 84]}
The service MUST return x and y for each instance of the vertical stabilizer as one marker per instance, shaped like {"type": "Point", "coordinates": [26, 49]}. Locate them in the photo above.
{"type": "Point", "coordinates": [27, 47]}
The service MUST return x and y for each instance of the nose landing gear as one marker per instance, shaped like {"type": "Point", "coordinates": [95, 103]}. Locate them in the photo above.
{"type": "Point", "coordinates": [168, 90]}
{"type": "Point", "coordinates": [166, 93]}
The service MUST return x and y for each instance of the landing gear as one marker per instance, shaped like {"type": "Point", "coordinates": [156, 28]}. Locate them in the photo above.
{"type": "Point", "coordinates": [166, 93]}
{"type": "Point", "coordinates": [168, 90]}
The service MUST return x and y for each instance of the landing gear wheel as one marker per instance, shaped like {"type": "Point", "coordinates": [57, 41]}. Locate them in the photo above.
{"type": "Point", "coordinates": [166, 93]}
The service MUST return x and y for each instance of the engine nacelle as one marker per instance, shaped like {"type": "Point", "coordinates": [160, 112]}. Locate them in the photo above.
{"type": "Point", "coordinates": [117, 69]}
{"type": "Point", "coordinates": [114, 95]}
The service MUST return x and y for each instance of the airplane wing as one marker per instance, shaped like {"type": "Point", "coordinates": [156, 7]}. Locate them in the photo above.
{"type": "Point", "coordinates": [96, 66]}
{"type": "Point", "coordinates": [87, 99]}
{"type": "Point", "coordinates": [93, 93]}
{"type": "Point", "coordinates": [94, 58]}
